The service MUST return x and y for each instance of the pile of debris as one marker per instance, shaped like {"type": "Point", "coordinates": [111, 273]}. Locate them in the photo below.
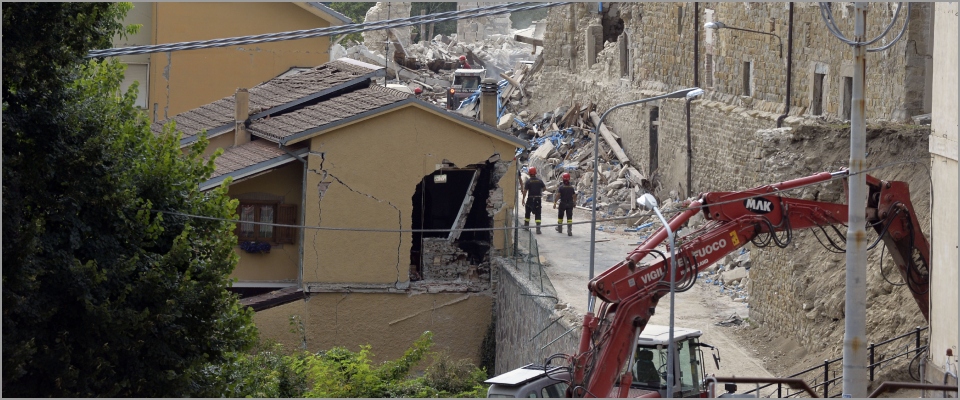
{"type": "Point", "coordinates": [429, 65]}
{"type": "Point", "coordinates": [563, 141]}
{"type": "Point", "coordinates": [732, 275]}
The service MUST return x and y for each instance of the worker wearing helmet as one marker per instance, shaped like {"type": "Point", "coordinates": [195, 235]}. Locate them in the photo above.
{"type": "Point", "coordinates": [567, 197]}
{"type": "Point", "coordinates": [463, 62]}
{"type": "Point", "coordinates": [535, 187]}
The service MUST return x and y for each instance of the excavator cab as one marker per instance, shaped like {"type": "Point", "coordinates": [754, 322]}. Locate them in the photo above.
{"type": "Point", "coordinates": [650, 362]}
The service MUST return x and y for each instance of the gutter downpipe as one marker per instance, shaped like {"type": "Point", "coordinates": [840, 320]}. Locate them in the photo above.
{"type": "Point", "coordinates": [786, 103]}
{"type": "Point", "coordinates": [696, 83]}
{"type": "Point", "coordinates": [855, 300]}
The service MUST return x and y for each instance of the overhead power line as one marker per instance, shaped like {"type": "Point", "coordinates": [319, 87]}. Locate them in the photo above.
{"type": "Point", "coordinates": [329, 31]}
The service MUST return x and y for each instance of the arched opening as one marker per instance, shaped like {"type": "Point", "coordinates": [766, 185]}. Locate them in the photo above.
{"type": "Point", "coordinates": [612, 23]}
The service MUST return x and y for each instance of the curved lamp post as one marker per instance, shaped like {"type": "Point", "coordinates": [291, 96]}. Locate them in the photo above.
{"type": "Point", "coordinates": [721, 25]}
{"type": "Point", "coordinates": [596, 169]}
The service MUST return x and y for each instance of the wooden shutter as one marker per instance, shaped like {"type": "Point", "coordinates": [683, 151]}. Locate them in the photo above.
{"type": "Point", "coordinates": [287, 215]}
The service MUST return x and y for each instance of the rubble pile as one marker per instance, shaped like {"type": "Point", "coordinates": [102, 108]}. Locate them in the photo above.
{"type": "Point", "coordinates": [563, 140]}
{"type": "Point", "coordinates": [429, 65]}
{"type": "Point", "coordinates": [732, 275]}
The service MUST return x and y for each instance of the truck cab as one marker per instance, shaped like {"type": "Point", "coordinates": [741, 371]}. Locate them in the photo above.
{"type": "Point", "coordinates": [465, 83]}
{"type": "Point", "coordinates": [648, 367]}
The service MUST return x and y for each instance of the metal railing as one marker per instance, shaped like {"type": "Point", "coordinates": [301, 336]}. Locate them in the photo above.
{"type": "Point", "coordinates": [829, 368]}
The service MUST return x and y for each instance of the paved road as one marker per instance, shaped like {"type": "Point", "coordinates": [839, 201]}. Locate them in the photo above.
{"type": "Point", "coordinates": [567, 266]}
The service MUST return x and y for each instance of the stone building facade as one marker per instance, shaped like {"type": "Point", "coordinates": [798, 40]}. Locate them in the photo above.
{"type": "Point", "coordinates": [610, 53]}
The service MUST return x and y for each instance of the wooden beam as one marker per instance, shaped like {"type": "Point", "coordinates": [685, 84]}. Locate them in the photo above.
{"type": "Point", "coordinates": [610, 139]}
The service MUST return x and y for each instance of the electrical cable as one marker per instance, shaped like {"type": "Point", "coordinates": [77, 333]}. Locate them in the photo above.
{"type": "Point", "coordinates": [327, 31]}
{"type": "Point", "coordinates": [826, 13]}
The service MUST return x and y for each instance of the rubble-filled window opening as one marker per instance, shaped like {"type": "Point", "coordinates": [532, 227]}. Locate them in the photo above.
{"type": "Point", "coordinates": [847, 96]}
{"type": "Point", "coordinates": [612, 24]}
{"type": "Point", "coordinates": [654, 140]}
{"type": "Point", "coordinates": [747, 78]}
{"type": "Point", "coordinates": [816, 104]}
{"type": "Point", "coordinates": [452, 199]}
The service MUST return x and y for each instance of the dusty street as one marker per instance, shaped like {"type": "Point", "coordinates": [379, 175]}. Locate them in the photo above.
{"type": "Point", "coordinates": [567, 264]}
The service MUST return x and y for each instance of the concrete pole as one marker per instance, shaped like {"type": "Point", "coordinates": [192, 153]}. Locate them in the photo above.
{"type": "Point", "coordinates": [855, 307]}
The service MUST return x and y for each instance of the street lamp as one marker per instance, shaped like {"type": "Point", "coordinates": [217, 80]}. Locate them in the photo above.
{"type": "Point", "coordinates": [721, 25]}
{"type": "Point", "coordinates": [596, 171]}
{"type": "Point", "coordinates": [649, 202]}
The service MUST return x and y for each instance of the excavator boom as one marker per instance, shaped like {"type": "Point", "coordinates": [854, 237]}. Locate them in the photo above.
{"type": "Point", "coordinates": [630, 290]}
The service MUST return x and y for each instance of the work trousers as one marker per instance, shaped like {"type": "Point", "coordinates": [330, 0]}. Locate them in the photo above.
{"type": "Point", "coordinates": [532, 206]}
{"type": "Point", "coordinates": [565, 210]}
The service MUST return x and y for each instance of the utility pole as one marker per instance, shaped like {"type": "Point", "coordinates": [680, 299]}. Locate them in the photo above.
{"type": "Point", "coordinates": [855, 305]}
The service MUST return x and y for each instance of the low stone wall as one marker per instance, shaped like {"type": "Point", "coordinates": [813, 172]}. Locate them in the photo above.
{"type": "Point", "coordinates": [527, 321]}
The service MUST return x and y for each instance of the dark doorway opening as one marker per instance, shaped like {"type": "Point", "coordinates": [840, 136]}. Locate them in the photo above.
{"type": "Point", "coordinates": [612, 23]}
{"type": "Point", "coordinates": [458, 201]}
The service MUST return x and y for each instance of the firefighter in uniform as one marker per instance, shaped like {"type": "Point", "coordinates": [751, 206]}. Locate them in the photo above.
{"type": "Point", "coordinates": [567, 197]}
{"type": "Point", "coordinates": [535, 187]}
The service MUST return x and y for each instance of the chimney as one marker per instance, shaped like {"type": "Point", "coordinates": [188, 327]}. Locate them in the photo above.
{"type": "Point", "coordinates": [488, 102]}
{"type": "Point", "coordinates": [242, 112]}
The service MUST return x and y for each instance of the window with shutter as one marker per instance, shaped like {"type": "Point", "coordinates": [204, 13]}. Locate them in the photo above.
{"type": "Point", "coordinates": [287, 215]}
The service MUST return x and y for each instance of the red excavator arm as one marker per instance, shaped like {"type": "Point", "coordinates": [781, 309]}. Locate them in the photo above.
{"type": "Point", "coordinates": [630, 290]}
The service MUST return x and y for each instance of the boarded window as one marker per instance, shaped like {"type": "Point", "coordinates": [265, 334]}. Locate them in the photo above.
{"type": "Point", "coordinates": [816, 103]}
{"type": "Point", "coordinates": [847, 96]}
{"type": "Point", "coordinates": [747, 78]}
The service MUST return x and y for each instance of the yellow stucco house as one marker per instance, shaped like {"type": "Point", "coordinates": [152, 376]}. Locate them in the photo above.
{"type": "Point", "coordinates": [361, 166]}
{"type": "Point", "coordinates": [174, 82]}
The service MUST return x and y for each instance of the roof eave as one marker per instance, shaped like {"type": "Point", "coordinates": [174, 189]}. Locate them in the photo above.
{"type": "Point", "coordinates": [253, 169]}
{"type": "Point", "coordinates": [304, 135]}
{"type": "Point", "coordinates": [326, 13]}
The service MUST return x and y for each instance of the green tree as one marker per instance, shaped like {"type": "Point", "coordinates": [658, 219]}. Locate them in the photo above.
{"type": "Point", "coordinates": [103, 296]}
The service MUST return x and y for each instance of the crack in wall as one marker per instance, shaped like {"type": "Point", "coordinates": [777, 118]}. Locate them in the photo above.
{"type": "Point", "coordinates": [399, 220]}
{"type": "Point", "coordinates": [322, 192]}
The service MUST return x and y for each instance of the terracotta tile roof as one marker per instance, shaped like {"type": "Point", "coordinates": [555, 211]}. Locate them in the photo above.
{"type": "Point", "coordinates": [245, 155]}
{"type": "Point", "coordinates": [267, 95]}
{"type": "Point", "coordinates": [341, 107]}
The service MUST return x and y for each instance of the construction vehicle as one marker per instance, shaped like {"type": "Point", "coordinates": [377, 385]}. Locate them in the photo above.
{"type": "Point", "coordinates": [466, 82]}
{"type": "Point", "coordinates": [649, 374]}
{"type": "Point", "coordinates": [628, 293]}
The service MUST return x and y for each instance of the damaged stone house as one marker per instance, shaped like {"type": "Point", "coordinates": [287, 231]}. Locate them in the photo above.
{"type": "Point", "coordinates": [790, 72]}
{"type": "Point", "coordinates": [360, 166]}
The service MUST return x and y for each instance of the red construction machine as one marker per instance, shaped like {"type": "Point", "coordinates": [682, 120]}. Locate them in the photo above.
{"type": "Point", "coordinates": [607, 359]}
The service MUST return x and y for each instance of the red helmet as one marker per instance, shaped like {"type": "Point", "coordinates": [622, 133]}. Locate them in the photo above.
{"type": "Point", "coordinates": [566, 176]}
{"type": "Point", "coordinates": [417, 91]}
{"type": "Point", "coordinates": [532, 171]}
{"type": "Point", "coordinates": [463, 58]}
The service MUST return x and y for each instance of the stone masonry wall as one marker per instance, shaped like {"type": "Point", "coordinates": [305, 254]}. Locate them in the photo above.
{"type": "Point", "coordinates": [521, 311]}
{"type": "Point", "coordinates": [799, 289]}
{"type": "Point", "coordinates": [660, 45]}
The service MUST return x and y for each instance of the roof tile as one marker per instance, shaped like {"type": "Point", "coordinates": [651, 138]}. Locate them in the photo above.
{"type": "Point", "coordinates": [267, 95]}
{"type": "Point", "coordinates": [245, 155]}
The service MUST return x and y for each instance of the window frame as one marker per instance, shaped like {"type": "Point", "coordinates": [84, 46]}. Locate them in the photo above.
{"type": "Point", "coordinates": [278, 235]}
{"type": "Point", "coordinates": [257, 206]}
